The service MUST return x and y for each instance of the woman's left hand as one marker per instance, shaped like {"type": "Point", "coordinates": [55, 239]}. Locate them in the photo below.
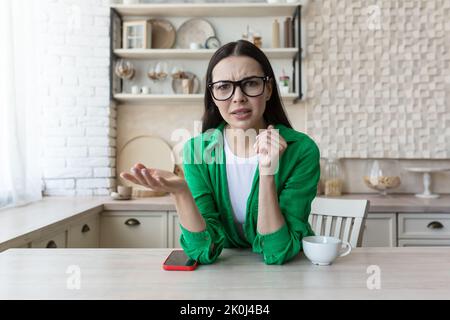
{"type": "Point", "coordinates": [269, 146]}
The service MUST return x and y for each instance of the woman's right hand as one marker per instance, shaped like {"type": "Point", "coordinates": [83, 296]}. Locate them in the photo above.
{"type": "Point", "coordinates": [157, 180]}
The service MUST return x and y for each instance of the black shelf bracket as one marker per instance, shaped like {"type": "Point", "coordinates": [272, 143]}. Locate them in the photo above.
{"type": "Point", "coordinates": [112, 56]}
{"type": "Point", "coordinates": [297, 17]}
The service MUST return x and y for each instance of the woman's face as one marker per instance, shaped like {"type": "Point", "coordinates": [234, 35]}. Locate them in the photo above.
{"type": "Point", "coordinates": [235, 68]}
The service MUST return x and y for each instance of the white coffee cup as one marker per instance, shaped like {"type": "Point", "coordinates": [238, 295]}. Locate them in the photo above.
{"type": "Point", "coordinates": [322, 250]}
{"type": "Point", "coordinates": [145, 90]}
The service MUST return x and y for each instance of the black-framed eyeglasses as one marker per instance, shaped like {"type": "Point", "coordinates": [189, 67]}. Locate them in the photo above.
{"type": "Point", "coordinates": [251, 86]}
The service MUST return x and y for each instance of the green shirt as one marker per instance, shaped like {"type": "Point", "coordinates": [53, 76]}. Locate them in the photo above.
{"type": "Point", "coordinates": [296, 184]}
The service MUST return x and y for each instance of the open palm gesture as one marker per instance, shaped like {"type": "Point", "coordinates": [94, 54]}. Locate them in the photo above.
{"type": "Point", "coordinates": [156, 179]}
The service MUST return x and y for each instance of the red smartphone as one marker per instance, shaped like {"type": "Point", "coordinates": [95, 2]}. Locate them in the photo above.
{"type": "Point", "coordinates": [179, 261]}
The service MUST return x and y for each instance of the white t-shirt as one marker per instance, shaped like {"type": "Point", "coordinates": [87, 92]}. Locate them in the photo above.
{"type": "Point", "coordinates": [240, 174]}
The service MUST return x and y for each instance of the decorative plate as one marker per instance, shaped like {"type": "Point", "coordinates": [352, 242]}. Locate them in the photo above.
{"type": "Point", "coordinates": [163, 34]}
{"type": "Point", "coordinates": [194, 30]}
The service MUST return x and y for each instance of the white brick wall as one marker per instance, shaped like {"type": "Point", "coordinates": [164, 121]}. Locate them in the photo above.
{"type": "Point", "coordinates": [80, 125]}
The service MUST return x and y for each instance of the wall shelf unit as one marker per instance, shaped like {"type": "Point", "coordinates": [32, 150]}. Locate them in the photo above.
{"type": "Point", "coordinates": [176, 98]}
{"type": "Point", "coordinates": [119, 13]}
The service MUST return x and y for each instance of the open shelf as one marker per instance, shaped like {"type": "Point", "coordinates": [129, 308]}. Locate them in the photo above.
{"type": "Point", "coordinates": [176, 98]}
{"type": "Point", "coordinates": [272, 53]}
{"type": "Point", "coordinates": [207, 9]}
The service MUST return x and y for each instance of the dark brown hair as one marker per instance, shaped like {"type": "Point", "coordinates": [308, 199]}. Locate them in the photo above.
{"type": "Point", "coordinates": [274, 113]}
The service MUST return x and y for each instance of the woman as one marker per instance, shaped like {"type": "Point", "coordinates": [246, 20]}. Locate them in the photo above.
{"type": "Point", "coordinates": [260, 195]}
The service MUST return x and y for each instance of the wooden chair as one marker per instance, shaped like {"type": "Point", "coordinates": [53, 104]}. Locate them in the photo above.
{"type": "Point", "coordinates": [340, 218]}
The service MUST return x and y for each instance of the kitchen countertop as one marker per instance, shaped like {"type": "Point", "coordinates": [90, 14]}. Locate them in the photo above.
{"type": "Point", "coordinates": [405, 273]}
{"type": "Point", "coordinates": [29, 221]}
{"type": "Point", "coordinates": [390, 203]}
{"type": "Point", "coordinates": [403, 203]}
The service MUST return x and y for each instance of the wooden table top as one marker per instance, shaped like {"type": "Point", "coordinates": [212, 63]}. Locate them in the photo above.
{"type": "Point", "coordinates": [404, 273]}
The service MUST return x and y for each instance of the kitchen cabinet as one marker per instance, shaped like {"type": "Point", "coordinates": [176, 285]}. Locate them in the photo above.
{"type": "Point", "coordinates": [423, 229]}
{"type": "Point", "coordinates": [18, 244]}
{"type": "Point", "coordinates": [174, 230]}
{"type": "Point", "coordinates": [380, 230]}
{"type": "Point", "coordinates": [424, 226]}
{"type": "Point", "coordinates": [133, 229]}
{"type": "Point", "coordinates": [154, 223]}
{"type": "Point", "coordinates": [407, 230]}
{"type": "Point", "coordinates": [84, 234]}
{"type": "Point", "coordinates": [51, 241]}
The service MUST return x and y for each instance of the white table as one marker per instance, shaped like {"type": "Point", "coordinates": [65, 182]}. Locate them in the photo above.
{"type": "Point", "coordinates": [406, 273]}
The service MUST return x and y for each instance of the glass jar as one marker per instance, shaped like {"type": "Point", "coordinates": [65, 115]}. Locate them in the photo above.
{"type": "Point", "coordinates": [332, 178]}
{"type": "Point", "coordinates": [382, 175]}
{"type": "Point", "coordinates": [124, 69]}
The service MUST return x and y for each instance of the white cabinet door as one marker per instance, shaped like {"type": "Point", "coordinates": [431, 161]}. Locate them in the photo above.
{"type": "Point", "coordinates": [140, 229]}
{"type": "Point", "coordinates": [380, 230]}
{"type": "Point", "coordinates": [174, 230]}
{"type": "Point", "coordinates": [51, 241]}
{"type": "Point", "coordinates": [423, 243]}
{"type": "Point", "coordinates": [424, 226]}
{"type": "Point", "coordinates": [85, 234]}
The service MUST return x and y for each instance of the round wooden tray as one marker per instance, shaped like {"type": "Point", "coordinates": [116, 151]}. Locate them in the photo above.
{"type": "Point", "coordinates": [152, 152]}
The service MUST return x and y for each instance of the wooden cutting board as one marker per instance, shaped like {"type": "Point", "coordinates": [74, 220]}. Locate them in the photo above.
{"type": "Point", "coordinates": [152, 152]}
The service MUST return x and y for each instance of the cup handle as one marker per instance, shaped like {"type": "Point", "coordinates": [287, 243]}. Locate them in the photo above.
{"type": "Point", "coordinates": [349, 249]}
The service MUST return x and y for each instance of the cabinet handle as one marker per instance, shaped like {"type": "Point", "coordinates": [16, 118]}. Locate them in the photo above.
{"type": "Point", "coordinates": [132, 222]}
{"type": "Point", "coordinates": [85, 229]}
{"type": "Point", "coordinates": [435, 225]}
{"type": "Point", "coordinates": [51, 245]}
